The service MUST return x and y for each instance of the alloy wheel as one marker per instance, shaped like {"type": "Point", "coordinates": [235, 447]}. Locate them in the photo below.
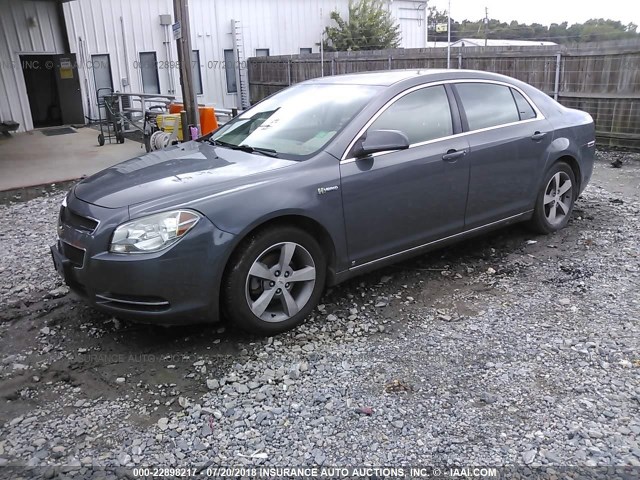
{"type": "Point", "coordinates": [280, 282]}
{"type": "Point", "coordinates": [558, 197]}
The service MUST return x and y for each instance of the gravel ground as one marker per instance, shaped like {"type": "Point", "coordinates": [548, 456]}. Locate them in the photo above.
{"type": "Point", "coordinates": [513, 349]}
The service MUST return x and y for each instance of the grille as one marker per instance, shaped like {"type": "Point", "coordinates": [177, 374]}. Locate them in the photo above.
{"type": "Point", "coordinates": [76, 221]}
{"type": "Point", "coordinates": [74, 254]}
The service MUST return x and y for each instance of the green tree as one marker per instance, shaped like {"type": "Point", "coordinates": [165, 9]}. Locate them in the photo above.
{"type": "Point", "coordinates": [370, 27]}
{"type": "Point", "coordinates": [591, 31]}
{"type": "Point", "coordinates": [599, 29]}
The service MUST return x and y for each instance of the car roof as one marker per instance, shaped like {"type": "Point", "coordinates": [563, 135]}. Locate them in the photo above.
{"type": "Point", "coordinates": [390, 77]}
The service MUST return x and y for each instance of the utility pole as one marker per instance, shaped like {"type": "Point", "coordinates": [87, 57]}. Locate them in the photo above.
{"type": "Point", "coordinates": [183, 44]}
{"type": "Point", "coordinates": [426, 24]}
{"type": "Point", "coordinates": [321, 44]}
{"type": "Point", "coordinates": [486, 24]}
{"type": "Point", "coordinates": [449, 35]}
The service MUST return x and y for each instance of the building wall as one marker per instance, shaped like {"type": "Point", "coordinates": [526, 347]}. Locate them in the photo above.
{"type": "Point", "coordinates": [124, 28]}
{"type": "Point", "coordinates": [121, 29]}
{"type": "Point", "coordinates": [282, 26]}
{"type": "Point", "coordinates": [410, 15]}
{"type": "Point", "coordinates": [26, 27]}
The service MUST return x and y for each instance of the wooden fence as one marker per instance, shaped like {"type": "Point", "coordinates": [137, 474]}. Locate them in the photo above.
{"type": "Point", "coordinates": [600, 78]}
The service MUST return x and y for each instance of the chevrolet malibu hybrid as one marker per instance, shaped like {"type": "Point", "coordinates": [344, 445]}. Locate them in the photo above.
{"type": "Point", "coordinates": [315, 184]}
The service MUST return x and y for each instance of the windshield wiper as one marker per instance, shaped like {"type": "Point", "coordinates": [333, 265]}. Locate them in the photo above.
{"type": "Point", "coordinates": [269, 152]}
{"type": "Point", "coordinates": [223, 144]}
{"type": "Point", "coordinates": [247, 148]}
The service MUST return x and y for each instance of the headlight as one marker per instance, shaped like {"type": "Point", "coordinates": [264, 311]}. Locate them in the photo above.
{"type": "Point", "coordinates": [152, 233]}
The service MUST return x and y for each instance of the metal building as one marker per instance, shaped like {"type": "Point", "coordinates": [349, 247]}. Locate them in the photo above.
{"type": "Point", "coordinates": [33, 90]}
{"type": "Point", "coordinates": [56, 54]}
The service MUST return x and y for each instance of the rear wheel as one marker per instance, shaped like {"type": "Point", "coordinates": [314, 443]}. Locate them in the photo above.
{"type": "Point", "coordinates": [555, 201]}
{"type": "Point", "coordinates": [275, 280]}
{"type": "Point", "coordinates": [100, 139]}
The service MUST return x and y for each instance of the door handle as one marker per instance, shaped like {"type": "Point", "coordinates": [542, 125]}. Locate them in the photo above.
{"type": "Point", "coordinates": [537, 136]}
{"type": "Point", "coordinates": [453, 155]}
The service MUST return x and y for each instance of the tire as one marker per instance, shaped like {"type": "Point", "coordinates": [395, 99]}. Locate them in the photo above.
{"type": "Point", "coordinates": [120, 138]}
{"type": "Point", "coordinates": [100, 139]}
{"type": "Point", "coordinates": [553, 209]}
{"type": "Point", "coordinates": [256, 294]}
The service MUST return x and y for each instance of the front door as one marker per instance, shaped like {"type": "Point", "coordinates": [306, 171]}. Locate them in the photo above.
{"type": "Point", "coordinates": [398, 200]}
{"type": "Point", "coordinates": [68, 86]}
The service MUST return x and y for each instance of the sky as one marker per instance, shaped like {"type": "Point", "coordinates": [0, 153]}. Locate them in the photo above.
{"type": "Point", "coordinates": [543, 11]}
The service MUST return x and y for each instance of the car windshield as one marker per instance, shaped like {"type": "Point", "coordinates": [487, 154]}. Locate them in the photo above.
{"type": "Point", "coordinates": [296, 122]}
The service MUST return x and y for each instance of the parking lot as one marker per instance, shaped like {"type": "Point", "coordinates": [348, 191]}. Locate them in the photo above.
{"type": "Point", "coordinates": [510, 349]}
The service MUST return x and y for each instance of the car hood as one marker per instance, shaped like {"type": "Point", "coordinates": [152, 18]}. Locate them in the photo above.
{"type": "Point", "coordinates": [187, 170]}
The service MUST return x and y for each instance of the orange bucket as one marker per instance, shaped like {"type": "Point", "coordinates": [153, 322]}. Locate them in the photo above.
{"type": "Point", "coordinates": [208, 120]}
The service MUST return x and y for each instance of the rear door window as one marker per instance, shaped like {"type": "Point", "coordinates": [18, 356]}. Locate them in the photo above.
{"type": "Point", "coordinates": [421, 115]}
{"type": "Point", "coordinates": [524, 108]}
{"type": "Point", "coordinates": [487, 104]}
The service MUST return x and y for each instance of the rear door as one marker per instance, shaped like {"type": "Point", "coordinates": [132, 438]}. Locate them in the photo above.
{"type": "Point", "coordinates": [402, 199]}
{"type": "Point", "coordinates": [508, 142]}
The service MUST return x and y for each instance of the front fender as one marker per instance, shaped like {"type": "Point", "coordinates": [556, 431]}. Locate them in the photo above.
{"type": "Point", "coordinates": [310, 190]}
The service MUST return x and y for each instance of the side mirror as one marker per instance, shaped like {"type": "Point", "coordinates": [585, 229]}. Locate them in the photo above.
{"type": "Point", "coordinates": [380, 141]}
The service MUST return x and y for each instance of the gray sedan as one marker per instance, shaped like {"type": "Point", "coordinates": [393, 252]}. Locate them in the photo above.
{"type": "Point", "coordinates": [320, 182]}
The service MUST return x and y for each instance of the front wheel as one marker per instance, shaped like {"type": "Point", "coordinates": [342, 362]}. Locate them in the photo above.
{"type": "Point", "coordinates": [274, 281]}
{"type": "Point", "coordinates": [555, 201]}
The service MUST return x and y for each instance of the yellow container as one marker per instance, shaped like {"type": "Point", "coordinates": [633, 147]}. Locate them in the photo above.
{"type": "Point", "coordinates": [208, 120]}
{"type": "Point", "coordinates": [167, 122]}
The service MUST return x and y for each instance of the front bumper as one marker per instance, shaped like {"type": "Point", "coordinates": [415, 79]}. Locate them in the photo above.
{"type": "Point", "coordinates": [179, 285]}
